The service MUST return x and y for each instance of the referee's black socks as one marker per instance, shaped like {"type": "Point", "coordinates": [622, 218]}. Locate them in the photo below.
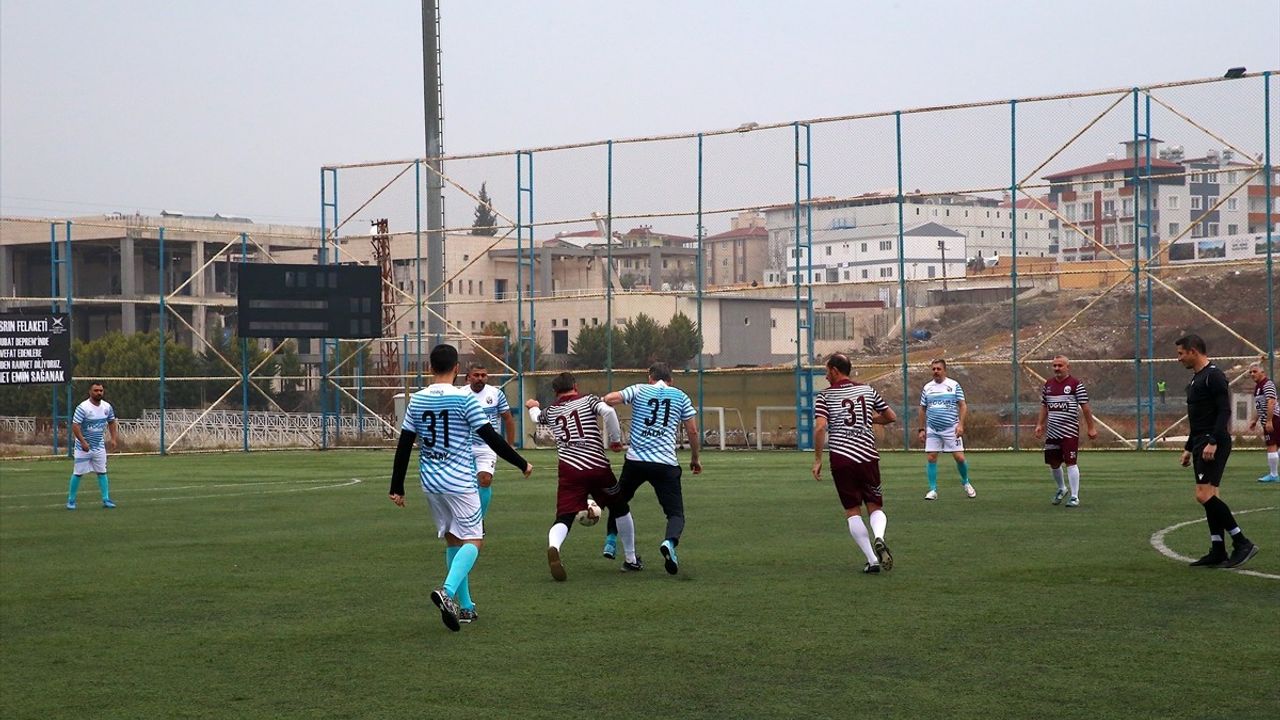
{"type": "Point", "coordinates": [1221, 519]}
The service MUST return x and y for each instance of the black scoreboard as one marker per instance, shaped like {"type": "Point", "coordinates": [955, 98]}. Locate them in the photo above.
{"type": "Point", "coordinates": [309, 301]}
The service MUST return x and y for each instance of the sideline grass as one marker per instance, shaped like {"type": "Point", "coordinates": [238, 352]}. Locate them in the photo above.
{"type": "Point", "coordinates": [268, 585]}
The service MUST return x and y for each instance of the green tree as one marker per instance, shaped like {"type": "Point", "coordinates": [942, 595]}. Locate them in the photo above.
{"type": "Point", "coordinates": [486, 222]}
{"type": "Point", "coordinates": [641, 343]}
{"type": "Point", "coordinates": [498, 343]}
{"type": "Point", "coordinates": [681, 341]}
{"type": "Point", "coordinates": [228, 346]}
{"type": "Point", "coordinates": [590, 349]}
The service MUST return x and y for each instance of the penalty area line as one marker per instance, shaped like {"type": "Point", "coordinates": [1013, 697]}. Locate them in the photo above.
{"type": "Point", "coordinates": [1157, 542]}
{"type": "Point", "coordinates": [214, 496]}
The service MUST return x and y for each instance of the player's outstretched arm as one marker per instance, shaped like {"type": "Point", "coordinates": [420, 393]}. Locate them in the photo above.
{"type": "Point", "coordinates": [613, 398]}
{"type": "Point", "coordinates": [884, 417]}
{"type": "Point", "coordinates": [500, 446]}
{"type": "Point", "coordinates": [404, 449]}
{"type": "Point", "coordinates": [612, 428]}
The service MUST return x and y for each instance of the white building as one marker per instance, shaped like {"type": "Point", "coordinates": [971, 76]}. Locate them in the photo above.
{"type": "Point", "coordinates": [983, 226]}
{"type": "Point", "coordinates": [1100, 201]}
{"type": "Point", "coordinates": [870, 254]}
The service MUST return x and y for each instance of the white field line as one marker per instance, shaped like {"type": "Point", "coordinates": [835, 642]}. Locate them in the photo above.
{"type": "Point", "coordinates": [344, 483]}
{"type": "Point", "coordinates": [1157, 542]}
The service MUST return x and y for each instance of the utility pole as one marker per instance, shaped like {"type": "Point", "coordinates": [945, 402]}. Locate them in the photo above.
{"type": "Point", "coordinates": [435, 148]}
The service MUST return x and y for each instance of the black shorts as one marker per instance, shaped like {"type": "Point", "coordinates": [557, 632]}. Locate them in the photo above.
{"type": "Point", "coordinates": [1210, 473]}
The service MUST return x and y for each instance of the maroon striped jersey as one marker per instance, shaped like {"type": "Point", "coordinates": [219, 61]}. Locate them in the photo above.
{"type": "Point", "coordinates": [848, 407]}
{"type": "Point", "coordinates": [574, 423]}
{"type": "Point", "coordinates": [1263, 391]}
{"type": "Point", "coordinates": [1063, 398]}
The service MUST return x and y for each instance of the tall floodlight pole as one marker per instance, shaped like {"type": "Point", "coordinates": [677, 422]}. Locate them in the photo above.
{"type": "Point", "coordinates": [435, 185]}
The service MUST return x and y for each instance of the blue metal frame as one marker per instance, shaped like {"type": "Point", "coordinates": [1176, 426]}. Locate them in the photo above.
{"type": "Point", "coordinates": [1269, 169]}
{"type": "Point", "coordinates": [327, 187]}
{"type": "Point", "coordinates": [521, 190]}
{"type": "Point", "coordinates": [56, 259]}
{"type": "Point", "coordinates": [164, 336]}
{"type": "Point", "coordinates": [417, 264]}
{"type": "Point", "coordinates": [702, 422]}
{"type": "Point", "coordinates": [804, 354]}
{"type": "Point", "coordinates": [608, 276]}
{"type": "Point", "coordinates": [244, 364]}
{"type": "Point", "coordinates": [1013, 269]}
{"type": "Point", "coordinates": [1142, 292]}
{"type": "Point", "coordinates": [902, 301]}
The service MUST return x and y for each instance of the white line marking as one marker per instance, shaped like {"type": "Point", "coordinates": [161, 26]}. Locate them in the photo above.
{"type": "Point", "coordinates": [166, 488]}
{"type": "Point", "coordinates": [345, 483]}
{"type": "Point", "coordinates": [1157, 542]}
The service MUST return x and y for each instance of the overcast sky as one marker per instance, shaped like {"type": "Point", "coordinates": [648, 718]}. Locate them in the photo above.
{"type": "Point", "coordinates": [233, 106]}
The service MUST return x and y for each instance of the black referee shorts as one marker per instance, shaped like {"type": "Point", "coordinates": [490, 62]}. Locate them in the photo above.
{"type": "Point", "coordinates": [1210, 473]}
{"type": "Point", "coordinates": [664, 478]}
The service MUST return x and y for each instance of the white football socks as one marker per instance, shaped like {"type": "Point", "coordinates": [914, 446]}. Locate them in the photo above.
{"type": "Point", "coordinates": [557, 534]}
{"type": "Point", "coordinates": [1057, 477]}
{"type": "Point", "coordinates": [1273, 462]}
{"type": "Point", "coordinates": [878, 523]}
{"type": "Point", "coordinates": [858, 530]}
{"type": "Point", "coordinates": [627, 537]}
{"type": "Point", "coordinates": [1073, 476]}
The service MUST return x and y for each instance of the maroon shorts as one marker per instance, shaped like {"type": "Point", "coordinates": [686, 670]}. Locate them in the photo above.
{"type": "Point", "coordinates": [857, 483]}
{"type": "Point", "coordinates": [576, 485]}
{"type": "Point", "coordinates": [1061, 451]}
{"type": "Point", "coordinates": [1273, 437]}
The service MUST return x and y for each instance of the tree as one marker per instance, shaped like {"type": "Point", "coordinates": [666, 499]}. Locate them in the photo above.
{"type": "Point", "coordinates": [590, 350]}
{"type": "Point", "coordinates": [486, 222]}
{"type": "Point", "coordinates": [681, 340]}
{"type": "Point", "coordinates": [497, 342]}
{"type": "Point", "coordinates": [641, 343]}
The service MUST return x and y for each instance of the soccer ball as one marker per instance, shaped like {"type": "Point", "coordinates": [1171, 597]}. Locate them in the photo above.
{"type": "Point", "coordinates": [591, 515]}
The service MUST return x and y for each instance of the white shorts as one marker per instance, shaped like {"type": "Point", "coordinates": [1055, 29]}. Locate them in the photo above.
{"type": "Point", "coordinates": [458, 515]}
{"type": "Point", "coordinates": [942, 441]}
{"type": "Point", "coordinates": [94, 461]}
{"type": "Point", "coordinates": [486, 459]}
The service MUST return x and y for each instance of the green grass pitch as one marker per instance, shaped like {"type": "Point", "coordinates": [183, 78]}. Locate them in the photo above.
{"type": "Point", "coordinates": [271, 585]}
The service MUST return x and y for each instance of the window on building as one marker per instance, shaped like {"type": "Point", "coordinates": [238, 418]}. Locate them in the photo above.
{"type": "Point", "coordinates": [886, 244]}
{"type": "Point", "coordinates": [595, 321]}
{"type": "Point", "coordinates": [1173, 202]}
{"type": "Point", "coordinates": [1233, 229]}
{"type": "Point", "coordinates": [471, 287]}
{"type": "Point", "coordinates": [932, 271]}
{"type": "Point", "coordinates": [1128, 234]}
{"type": "Point", "coordinates": [864, 247]}
{"type": "Point", "coordinates": [1108, 208]}
{"type": "Point", "coordinates": [1197, 177]}
{"type": "Point", "coordinates": [865, 274]}
{"type": "Point", "coordinates": [886, 272]}
{"type": "Point", "coordinates": [450, 287]}
{"type": "Point", "coordinates": [1086, 210]}
{"type": "Point", "coordinates": [1109, 235]}
{"type": "Point", "coordinates": [1231, 177]}
{"type": "Point", "coordinates": [1233, 203]}
{"type": "Point", "coordinates": [846, 274]}
{"type": "Point", "coordinates": [1213, 200]}
{"type": "Point", "coordinates": [1213, 229]}
{"type": "Point", "coordinates": [1197, 230]}
{"type": "Point", "coordinates": [1126, 207]}
{"type": "Point", "coordinates": [1109, 180]}
{"type": "Point", "coordinates": [828, 249]}
{"type": "Point", "coordinates": [1196, 202]}
{"type": "Point", "coordinates": [582, 322]}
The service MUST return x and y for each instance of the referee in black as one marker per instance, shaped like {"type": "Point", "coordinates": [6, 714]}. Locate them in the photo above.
{"type": "Point", "coordinates": [1207, 449]}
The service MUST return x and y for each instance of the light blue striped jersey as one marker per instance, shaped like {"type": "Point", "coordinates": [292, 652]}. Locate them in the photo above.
{"type": "Point", "coordinates": [941, 402]}
{"type": "Point", "coordinates": [444, 417]}
{"type": "Point", "coordinates": [493, 402]}
{"type": "Point", "coordinates": [657, 411]}
{"type": "Point", "coordinates": [93, 420]}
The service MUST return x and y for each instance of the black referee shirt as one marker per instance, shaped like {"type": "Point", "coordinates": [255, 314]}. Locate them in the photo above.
{"type": "Point", "coordinates": [1208, 407]}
